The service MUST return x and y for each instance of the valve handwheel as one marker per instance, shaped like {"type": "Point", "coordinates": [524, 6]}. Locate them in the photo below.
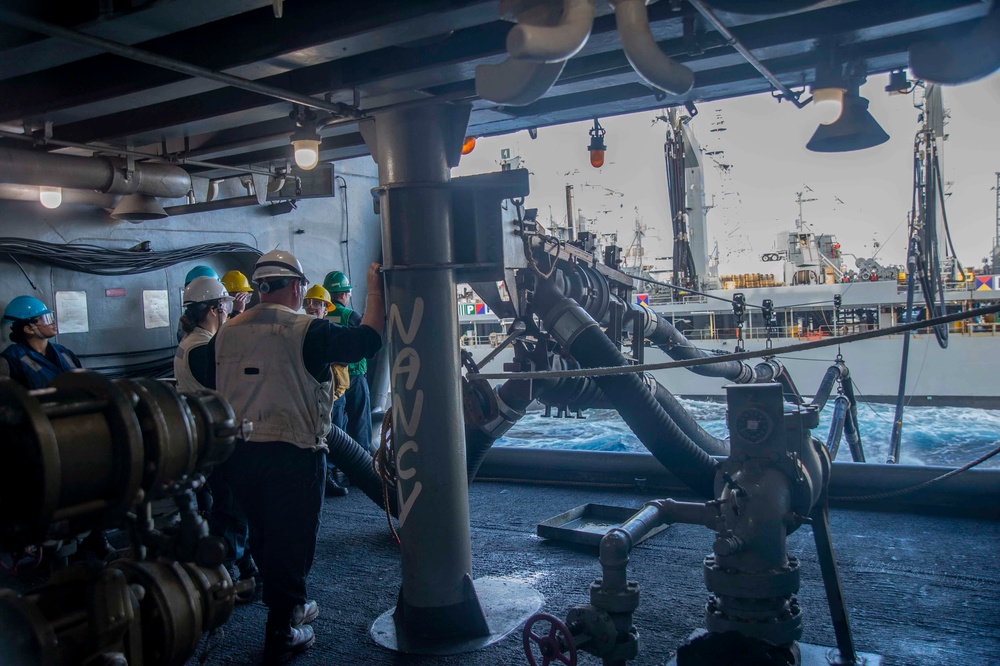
{"type": "Point", "coordinates": [555, 645]}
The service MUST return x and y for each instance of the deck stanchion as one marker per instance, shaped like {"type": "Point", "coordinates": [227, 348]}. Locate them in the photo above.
{"type": "Point", "coordinates": [438, 609]}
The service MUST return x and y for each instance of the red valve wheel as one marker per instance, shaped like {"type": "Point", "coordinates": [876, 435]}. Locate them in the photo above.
{"type": "Point", "coordinates": [554, 645]}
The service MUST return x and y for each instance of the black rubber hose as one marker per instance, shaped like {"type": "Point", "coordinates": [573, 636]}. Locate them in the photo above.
{"type": "Point", "coordinates": [515, 393]}
{"type": "Point", "coordinates": [355, 461]}
{"type": "Point", "coordinates": [841, 412]}
{"type": "Point", "coordinates": [704, 440]}
{"type": "Point", "coordinates": [851, 431]}
{"type": "Point", "coordinates": [627, 392]}
{"type": "Point", "coordinates": [674, 344]}
{"type": "Point", "coordinates": [833, 373]}
{"type": "Point", "coordinates": [477, 445]}
{"type": "Point", "coordinates": [637, 406]}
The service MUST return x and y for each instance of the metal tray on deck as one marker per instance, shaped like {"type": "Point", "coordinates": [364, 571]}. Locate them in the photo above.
{"type": "Point", "coordinates": [587, 524]}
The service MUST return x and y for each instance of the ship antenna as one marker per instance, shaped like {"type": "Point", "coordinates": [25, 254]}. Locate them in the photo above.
{"type": "Point", "coordinates": [800, 223]}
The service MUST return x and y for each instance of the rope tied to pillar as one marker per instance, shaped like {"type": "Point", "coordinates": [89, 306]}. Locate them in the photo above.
{"type": "Point", "coordinates": [384, 464]}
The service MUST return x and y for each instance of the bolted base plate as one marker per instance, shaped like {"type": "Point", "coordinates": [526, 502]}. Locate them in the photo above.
{"type": "Point", "coordinates": [507, 603]}
{"type": "Point", "coordinates": [812, 655]}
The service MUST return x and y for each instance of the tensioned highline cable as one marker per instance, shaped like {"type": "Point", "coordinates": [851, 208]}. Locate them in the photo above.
{"type": "Point", "coordinates": [817, 344]}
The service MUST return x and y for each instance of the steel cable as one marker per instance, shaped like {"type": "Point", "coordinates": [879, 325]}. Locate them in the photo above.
{"type": "Point", "coordinates": [920, 486]}
{"type": "Point", "coordinates": [816, 344]}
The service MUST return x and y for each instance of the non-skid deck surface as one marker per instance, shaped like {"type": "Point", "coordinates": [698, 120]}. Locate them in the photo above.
{"type": "Point", "coordinates": [920, 589]}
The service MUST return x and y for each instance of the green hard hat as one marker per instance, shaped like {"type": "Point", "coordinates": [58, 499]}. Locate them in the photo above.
{"type": "Point", "coordinates": [336, 282]}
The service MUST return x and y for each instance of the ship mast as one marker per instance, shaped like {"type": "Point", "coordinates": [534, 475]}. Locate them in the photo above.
{"type": "Point", "coordinates": [675, 151]}
{"type": "Point", "coordinates": [799, 222]}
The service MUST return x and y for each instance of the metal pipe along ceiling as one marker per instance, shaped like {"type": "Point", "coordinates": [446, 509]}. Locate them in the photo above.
{"type": "Point", "coordinates": [104, 174]}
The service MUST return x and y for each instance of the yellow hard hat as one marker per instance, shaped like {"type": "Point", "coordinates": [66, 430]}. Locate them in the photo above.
{"type": "Point", "coordinates": [235, 281]}
{"type": "Point", "coordinates": [318, 292]}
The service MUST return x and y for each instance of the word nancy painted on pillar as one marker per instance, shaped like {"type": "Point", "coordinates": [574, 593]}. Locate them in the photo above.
{"type": "Point", "coordinates": [407, 363]}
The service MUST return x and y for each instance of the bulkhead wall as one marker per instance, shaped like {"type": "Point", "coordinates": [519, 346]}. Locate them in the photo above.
{"type": "Point", "coordinates": [131, 320]}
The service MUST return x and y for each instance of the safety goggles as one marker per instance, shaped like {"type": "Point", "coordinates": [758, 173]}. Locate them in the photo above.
{"type": "Point", "coordinates": [225, 306]}
{"type": "Point", "coordinates": [314, 303]}
{"type": "Point", "coordinates": [46, 319]}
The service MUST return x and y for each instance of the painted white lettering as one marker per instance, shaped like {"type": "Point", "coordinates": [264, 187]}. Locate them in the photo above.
{"type": "Point", "coordinates": [405, 473]}
{"type": "Point", "coordinates": [411, 424]}
{"type": "Point", "coordinates": [407, 362]}
{"type": "Point", "coordinates": [404, 510]}
{"type": "Point", "coordinates": [396, 321]}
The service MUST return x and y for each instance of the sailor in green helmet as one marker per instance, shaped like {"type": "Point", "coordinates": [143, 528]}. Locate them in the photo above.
{"type": "Point", "coordinates": [352, 412]}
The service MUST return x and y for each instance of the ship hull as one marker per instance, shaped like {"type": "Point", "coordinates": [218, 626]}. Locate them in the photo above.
{"type": "Point", "coordinates": [963, 375]}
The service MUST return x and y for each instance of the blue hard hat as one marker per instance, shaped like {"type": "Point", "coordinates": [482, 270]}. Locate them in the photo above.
{"type": "Point", "coordinates": [24, 308]}
{"type": "Point", "coordinates": [200, 271]}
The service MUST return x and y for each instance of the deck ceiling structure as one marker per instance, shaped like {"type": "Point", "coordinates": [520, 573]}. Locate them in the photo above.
{"type": "Point", "coordinates": [358, 57]}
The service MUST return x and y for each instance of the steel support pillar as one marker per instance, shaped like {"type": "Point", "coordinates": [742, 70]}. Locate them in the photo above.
{"type": "Point", "coordinates": [438, 609]}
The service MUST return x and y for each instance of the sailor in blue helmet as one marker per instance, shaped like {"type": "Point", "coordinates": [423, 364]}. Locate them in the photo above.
{"type": "Point", "coordinates": [33, 361]}
{"type": "Point", "coordinates": [200, 271]}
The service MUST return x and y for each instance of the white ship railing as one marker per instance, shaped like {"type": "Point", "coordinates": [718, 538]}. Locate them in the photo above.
{"type": "Point", "coordinates": [971, 328]}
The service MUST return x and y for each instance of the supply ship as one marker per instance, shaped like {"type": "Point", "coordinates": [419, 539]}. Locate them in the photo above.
{"type": "Point", "coordinates": [815, 295]}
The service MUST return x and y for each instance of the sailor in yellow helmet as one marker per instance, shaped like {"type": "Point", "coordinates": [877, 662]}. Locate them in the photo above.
{"type": "Point", "coordinates": [317, 303]}
{"type": "Point", "coordinates": [239, 288]}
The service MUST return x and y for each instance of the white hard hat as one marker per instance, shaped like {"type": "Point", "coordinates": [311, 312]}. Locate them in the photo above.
{"type": "Point", "coordinates": [277, 264]}
{"type": "Point", "coordinates": [204, 290]}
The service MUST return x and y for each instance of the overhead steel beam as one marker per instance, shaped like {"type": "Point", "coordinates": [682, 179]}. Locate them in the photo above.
{"type": "Point", "coordinates": [148, 22]}
{"type": "Point", "coordinates": [486, 41]}
{"type": "Point", "coordinates": [346, 73]}
{"type": "Point", "coordinates": [149, 58]}
{"type": "Point", "coordinates": [735, 43]}
{"type": "Point", "coordinates": [316, 30]}
{"type": "Point", "coordinates": [331, 148]}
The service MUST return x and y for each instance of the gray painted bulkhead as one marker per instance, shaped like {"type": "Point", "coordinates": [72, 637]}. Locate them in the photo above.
{"type": "Point", "coordinates": [315, 232]}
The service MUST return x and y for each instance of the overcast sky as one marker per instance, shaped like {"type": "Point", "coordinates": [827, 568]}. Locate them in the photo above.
{"type": "Point", "coordinates": [862, 197]}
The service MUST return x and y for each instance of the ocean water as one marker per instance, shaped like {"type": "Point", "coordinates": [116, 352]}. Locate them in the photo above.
{"type": "Point", "coordinates": [944, 436]}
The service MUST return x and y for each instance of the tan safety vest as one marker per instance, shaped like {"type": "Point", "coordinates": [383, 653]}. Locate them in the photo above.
{"type": "Point", "coordinates": [199, 337]}
{"type": "Point", "coordinates": [259, 370]}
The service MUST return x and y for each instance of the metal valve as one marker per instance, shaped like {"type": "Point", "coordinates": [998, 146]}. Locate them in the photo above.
{"type": "Point", "coordinates": [555, 645]}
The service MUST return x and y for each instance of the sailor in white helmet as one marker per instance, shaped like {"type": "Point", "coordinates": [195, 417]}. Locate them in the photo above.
{"type": "Point", "coordinates": [207, 305]}
{"type": "Point", "coordinates": [273, 366]}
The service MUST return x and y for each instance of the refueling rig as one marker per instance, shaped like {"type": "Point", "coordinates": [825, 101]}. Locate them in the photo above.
{"type": "Point", "coordinates": [571, 312]}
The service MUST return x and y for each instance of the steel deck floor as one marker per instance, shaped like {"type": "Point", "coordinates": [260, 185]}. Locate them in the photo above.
{"type": "Point", "coordinates": [920, 589]}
